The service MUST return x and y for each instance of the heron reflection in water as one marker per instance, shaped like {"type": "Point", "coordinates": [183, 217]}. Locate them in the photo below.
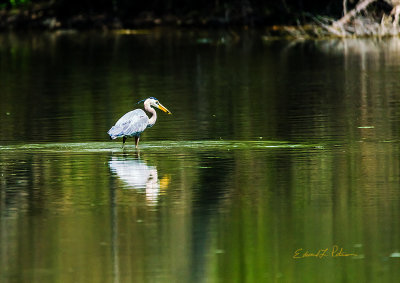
{"type": "Point", "coordinates": [133, 123]}
{"type": "Point", "coordinates": [138, 175]}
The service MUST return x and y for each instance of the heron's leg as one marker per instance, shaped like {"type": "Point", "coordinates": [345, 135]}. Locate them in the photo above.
{"type": "Point", "coordinates": [123, 142]}
{"type": "Point", "coordinates": [137, 141]}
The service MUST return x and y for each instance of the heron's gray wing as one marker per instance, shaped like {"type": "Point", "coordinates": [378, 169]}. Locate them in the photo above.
{"type": "Point", "coordinates": [133, 123]}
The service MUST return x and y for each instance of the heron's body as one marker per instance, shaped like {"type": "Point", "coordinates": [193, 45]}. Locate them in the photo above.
{"type": "Point", "coordinates": [133, 123]}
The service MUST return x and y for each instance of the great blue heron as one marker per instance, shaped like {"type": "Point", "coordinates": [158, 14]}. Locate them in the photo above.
{"type": "Point", "coordinates": [133, 123]}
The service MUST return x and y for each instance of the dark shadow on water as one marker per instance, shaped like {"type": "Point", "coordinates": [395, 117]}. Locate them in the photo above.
{"type": "Point", "coordinates": [211, 191]}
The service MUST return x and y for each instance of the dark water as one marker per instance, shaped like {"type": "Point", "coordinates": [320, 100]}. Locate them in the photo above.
{"type": "Point", "coordinates": [275, 149]}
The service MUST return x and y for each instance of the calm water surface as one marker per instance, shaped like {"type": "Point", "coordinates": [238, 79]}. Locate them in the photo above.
{"type": "Point", "coordinates": [275, 150]}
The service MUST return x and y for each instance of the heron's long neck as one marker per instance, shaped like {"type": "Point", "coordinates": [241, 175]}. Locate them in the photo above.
{"type": "Point", "coordinates": [151, 110]}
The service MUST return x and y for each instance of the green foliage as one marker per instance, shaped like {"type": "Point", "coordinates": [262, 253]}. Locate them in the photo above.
{"type": "Point", "coordinates": [14, 3]}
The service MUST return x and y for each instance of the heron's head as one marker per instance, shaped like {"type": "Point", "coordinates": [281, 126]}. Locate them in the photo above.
{"type": "Point", "coordinates": [152, 101]}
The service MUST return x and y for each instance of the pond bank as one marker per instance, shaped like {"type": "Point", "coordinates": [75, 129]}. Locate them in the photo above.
{"type": "Point", "coordinates": [48, 16]}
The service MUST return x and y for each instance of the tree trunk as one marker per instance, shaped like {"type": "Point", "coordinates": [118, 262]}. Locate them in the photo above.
{"type": "Point", "coordinates": [395, 13]}
{"type": "Point", "coordinates": [348, 16]}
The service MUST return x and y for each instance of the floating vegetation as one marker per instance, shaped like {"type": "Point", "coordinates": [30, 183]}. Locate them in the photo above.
{"type": "Point", "coordinates": [156, 145]}
{"type": "Point", "coordinates": [395, 254]}
{"type": "Point", "coordinates": [366, 127]}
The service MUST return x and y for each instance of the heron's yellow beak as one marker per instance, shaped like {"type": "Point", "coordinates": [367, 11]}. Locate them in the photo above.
{"type": "Point", "coordinates": [163, 108]}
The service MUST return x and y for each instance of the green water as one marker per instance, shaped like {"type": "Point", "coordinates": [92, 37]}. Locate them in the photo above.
{"type": "Point", "coordinates": [274, 149]}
